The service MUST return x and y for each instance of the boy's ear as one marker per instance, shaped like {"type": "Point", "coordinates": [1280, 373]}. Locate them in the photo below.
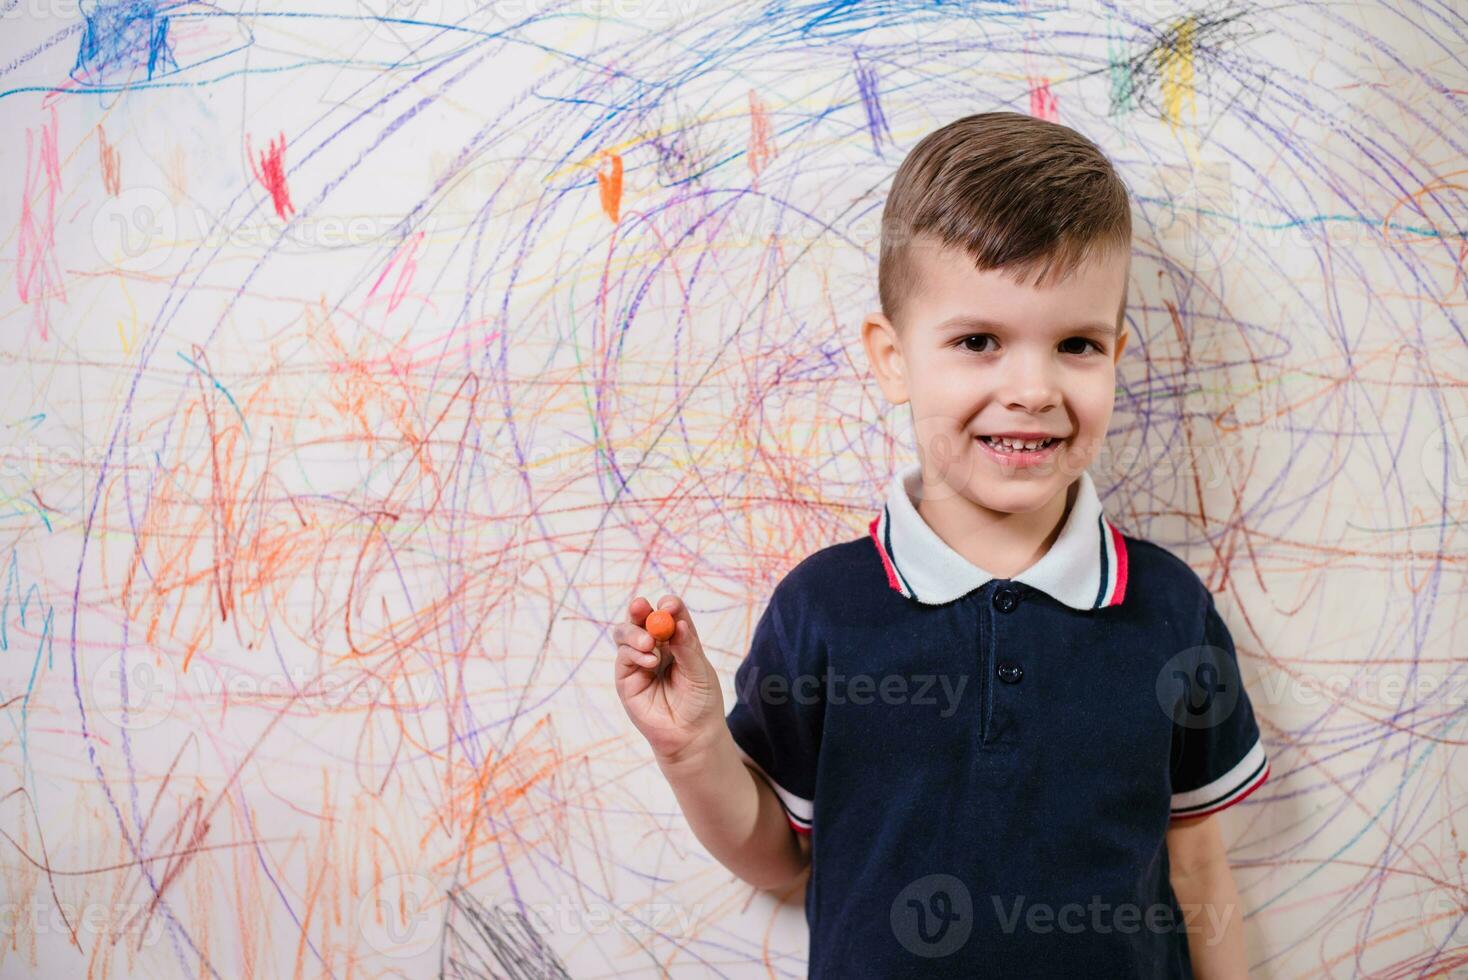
{"type": "Point", "coordinates": [884, 354]}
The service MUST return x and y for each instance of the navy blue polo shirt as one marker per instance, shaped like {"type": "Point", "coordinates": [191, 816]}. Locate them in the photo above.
{"type": "Point", "coordinates": [987, 767]}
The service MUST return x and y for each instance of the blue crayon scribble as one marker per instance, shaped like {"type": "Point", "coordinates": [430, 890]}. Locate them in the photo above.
{"type": "Point", "coordinates": [121, 38]}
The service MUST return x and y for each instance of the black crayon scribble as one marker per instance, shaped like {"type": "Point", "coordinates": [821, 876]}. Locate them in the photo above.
{"type": "Point", "coordinates": [1207, 41]}
{"type": "Point", "coordinates": [481, 941]}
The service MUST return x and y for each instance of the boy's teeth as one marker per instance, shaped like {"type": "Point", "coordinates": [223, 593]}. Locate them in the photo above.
{"type": "Point", "coordinates": [1017, 444]}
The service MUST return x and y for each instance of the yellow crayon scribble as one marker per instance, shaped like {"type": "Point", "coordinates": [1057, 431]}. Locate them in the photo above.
{"type": "Point", "coordinates": [1175, 61]}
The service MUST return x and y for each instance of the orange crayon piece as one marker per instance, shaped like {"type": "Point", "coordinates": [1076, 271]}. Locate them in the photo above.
{"type": "Point", "coordinates": [660, 625]}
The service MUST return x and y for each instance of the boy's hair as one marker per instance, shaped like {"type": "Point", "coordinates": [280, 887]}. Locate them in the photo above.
{"type": "Point", "coordinates": [1013, 191]}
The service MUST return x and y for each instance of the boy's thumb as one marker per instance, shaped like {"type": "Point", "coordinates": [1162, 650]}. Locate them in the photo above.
{"type": "Point", "coordinates": [685, 644]}
{"type": "Point", "coordinates": [685, 639]}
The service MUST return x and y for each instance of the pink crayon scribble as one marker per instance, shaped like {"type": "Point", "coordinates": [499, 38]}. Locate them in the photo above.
{"type": "Point", "coordinates": [271, 174]}
{"type": "Point", "coordinates": [1042, 100]}
{"type": "Point", "coordinates": [38, 275]}
{"type": "Point", "coordinates": [403, 258]}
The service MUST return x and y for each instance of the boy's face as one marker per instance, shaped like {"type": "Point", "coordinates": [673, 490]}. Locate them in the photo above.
{"type": "Point", "coordinates": [981, 356]}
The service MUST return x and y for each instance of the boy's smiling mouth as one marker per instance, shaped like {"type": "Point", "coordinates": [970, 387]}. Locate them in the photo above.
{"type": "Point", "coordinates": [1020, 448]}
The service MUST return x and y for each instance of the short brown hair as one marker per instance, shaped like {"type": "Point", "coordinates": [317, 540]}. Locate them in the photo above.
{"type": "Point", "coordinates": [1013, 191]}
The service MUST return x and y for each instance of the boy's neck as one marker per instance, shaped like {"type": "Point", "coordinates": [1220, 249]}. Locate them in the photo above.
{"type": "Point", "coordinates": [1001, 544]}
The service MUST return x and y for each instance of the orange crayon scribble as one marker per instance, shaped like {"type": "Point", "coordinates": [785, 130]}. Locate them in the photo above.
{"type": "Point", "coordinates": [176, 172]}
{"type": "Point", "coordinates": [215, 533]}
{"type": "Point", "coordinates": [318, 874]}
{"type": "Point", "coordinates": [507, 785]}
{"type": "Point", "coordinates": [761, 141]}
{"type": "Point", "coordinates": [107, 158]}
{"type": "Point", "coordinates": [1450, 184]}
{"type": "Point", "coordinates": [414, 440]}
{"type": "Point", "coordinates": [609, 183]}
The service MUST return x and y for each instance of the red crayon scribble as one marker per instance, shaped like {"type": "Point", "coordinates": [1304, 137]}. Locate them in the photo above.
{"type": "Point", "coordinates": [761, 146]}
{"type": "Point", "coordinates": [609, 182]}
{"type": "Point", "coordinates": [271, 174]}
{"type": "Point", "coordinates": [107, 157]}
{"type": "Point", "coordinates": [1042, 100]}
{"type": "Point", "coordinates": [38, 275]}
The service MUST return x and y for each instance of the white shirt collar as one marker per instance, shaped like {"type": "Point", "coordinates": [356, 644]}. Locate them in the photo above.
{"type": "Point", "coordinates": [1086, 567]}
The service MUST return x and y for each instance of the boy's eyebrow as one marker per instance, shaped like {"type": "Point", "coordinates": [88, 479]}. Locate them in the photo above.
{"type": "Point", "coordinates": [970, 322]}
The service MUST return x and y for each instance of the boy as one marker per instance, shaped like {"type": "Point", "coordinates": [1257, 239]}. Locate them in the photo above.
{"type": "Point", "coordinates": [995, 727]}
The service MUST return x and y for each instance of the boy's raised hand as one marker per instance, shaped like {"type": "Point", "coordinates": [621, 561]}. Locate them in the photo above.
{"type": "Point", "coordinates": [669, 689]}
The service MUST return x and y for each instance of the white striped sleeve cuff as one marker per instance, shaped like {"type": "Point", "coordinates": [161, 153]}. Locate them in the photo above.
{"type": "Point", "coordinates": [798, 810]}
{"type": "Point", "coordinates": [1250, 773]}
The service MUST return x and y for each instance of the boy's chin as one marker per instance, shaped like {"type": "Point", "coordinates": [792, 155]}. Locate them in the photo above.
{"type": "Point", "coordinates": [1011, 496]}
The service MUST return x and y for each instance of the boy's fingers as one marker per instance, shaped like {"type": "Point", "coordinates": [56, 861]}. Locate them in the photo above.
{"type": "Point", "coordinates": [673, 605]}
{"type": "Point", "coordinates": [637, 658]}
{"type": "Point", "coordinates": [684, 644]}
{"type": "Point", "coordinates": [630, 661]}
{"type": "Point", "coordinates": [632, 636]}
{"type": "Point", "coordinates": [635, 632]}
{"type": "Point", "coordinates": [637, 610]}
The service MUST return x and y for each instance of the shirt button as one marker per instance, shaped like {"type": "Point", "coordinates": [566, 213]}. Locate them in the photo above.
{"type": "Point", "coordinates": [1010, 672]}
{"type": "Point", "coordinates": [1005, 599]}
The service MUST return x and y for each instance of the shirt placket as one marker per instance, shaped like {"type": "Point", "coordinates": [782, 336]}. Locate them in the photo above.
{"type": "Point", "coordinates": [1001, 669]}
{"type": "Point", "coordinates": [984, 658]}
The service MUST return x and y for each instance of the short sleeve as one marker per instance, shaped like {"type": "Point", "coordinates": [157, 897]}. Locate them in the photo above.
{"type": "Point", "coordinates": [1218, 756]}
{"type": "Point", "coordinates": [776, 717]}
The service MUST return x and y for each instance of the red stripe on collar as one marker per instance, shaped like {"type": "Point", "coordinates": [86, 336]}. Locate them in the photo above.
{"type": "Point", "coordinates": [886, 558]}
{"type": "Point", "coordinates": [1118, 592]}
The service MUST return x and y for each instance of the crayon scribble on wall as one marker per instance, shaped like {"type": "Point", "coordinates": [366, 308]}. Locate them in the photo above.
{"type": "Point", "coordinates": [361, 363]}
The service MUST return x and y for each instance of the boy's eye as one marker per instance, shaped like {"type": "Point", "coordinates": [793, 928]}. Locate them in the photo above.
{"type": "Point", "coordinates": [1083, 341]}
{"type": "Point", "coordinates": [976, 343]}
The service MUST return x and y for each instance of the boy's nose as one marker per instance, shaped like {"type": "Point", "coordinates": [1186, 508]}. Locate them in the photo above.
{"type": "Point", "coordinates": [1035, 398]}
{"type": "Point", "coordinates": [1029, 385]}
